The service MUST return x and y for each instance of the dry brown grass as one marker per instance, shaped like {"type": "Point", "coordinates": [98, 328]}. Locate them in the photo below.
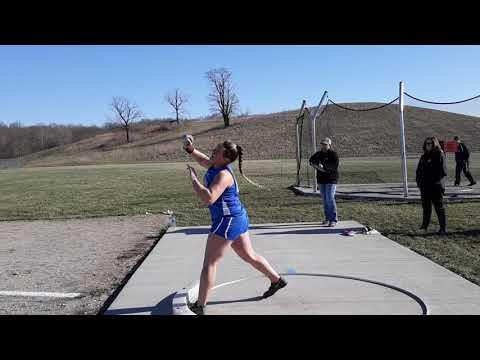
{"type": "Point", "coordinates": [271, 136]}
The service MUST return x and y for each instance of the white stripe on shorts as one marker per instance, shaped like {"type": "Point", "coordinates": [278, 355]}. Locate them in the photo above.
{"type": "Point", "coordinates": [214, 231]}
{"type": "Point", "coordinates": [228, 226]}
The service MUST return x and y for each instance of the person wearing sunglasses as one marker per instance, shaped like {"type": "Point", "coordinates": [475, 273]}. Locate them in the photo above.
{"type": "Point", "coordinates": [431, 171]}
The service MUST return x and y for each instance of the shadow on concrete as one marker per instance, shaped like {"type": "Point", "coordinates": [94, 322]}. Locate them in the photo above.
{"type": "Point", "coordinates": [311, 231]}
{"type": "Point", "coordinates": [314, 230]}
{"type": "Point", "coordinates": [252, 299]}
{"type": "Point", "coordinates": [282, 226]}
{"type": "Point", "coordinates": [197, 231]}
{"type": "Point", "coordinates": [414, 297]}
{"type": "Point", "coordinates": [191, 231]}
{"type": "Point", "coordinates": [164, 307]}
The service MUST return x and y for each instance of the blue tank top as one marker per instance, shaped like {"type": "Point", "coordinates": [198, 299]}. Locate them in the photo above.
{"type": "Point", "coordinates": [228, 204]}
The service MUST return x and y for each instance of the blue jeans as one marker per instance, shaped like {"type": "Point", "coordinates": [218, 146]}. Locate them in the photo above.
{"type": "Point", "coordinates": [328, 198]}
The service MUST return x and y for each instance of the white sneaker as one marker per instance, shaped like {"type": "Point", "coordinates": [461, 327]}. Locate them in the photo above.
{"type": "Point", "coordinates": [332, 224]}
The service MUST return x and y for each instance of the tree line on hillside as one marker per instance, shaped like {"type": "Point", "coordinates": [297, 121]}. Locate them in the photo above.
{"type": "Point", "coordinates": [17, 140]}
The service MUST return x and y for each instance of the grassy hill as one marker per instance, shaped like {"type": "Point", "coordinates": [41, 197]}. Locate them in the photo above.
{"type": "Point", "coordinates": [271, 136]}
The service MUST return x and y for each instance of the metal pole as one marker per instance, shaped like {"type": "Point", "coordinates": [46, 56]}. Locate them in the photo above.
{"type": "Point", "coordinates": [314, 137]}
{"type": "Point", "coordinates": [402, 143]}
{"type": "Point", "coordinates": [298, 142]}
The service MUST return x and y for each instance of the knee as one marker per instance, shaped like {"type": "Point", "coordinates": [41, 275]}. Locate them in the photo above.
{"type": "Point", "coordinates": [250, 258]}
{"type": "Point", "coordinates": [331, 197]}
{"type": "Point", "coordinates": [208, 264]}
{"type": "Point", "coordinates": [439, 206]}
{"type": "Point", "coordinates": [426, 204]}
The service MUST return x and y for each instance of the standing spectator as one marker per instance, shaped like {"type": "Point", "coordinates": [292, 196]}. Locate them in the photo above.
{"type": "Point", "coordinates": [325, 162]}
{"type": "Point", "coordinates": [431, 171]}
{"type": "Point", "coordinates": [462, 156]}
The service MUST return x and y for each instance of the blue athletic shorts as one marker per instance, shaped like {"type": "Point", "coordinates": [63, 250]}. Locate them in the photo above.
{"type": "Point", "coordinates": [230, 227]}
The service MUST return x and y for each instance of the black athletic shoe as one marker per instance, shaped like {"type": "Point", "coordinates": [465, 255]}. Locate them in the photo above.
{"type": "Point", "coordinates": [274, 287]}
{"type": "Point", "coordinates": [473, 183]}
{"type": "Point", "coordinates": [442, 232]}
{"type": "Point", "coordinates": [197, 309]}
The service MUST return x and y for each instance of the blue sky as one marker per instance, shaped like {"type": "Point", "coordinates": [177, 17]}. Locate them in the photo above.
{"type": "Point", "coordinates": [75, 84]}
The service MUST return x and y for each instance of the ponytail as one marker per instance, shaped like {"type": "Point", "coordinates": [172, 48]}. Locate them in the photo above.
{"type": "Point", "coordinates": [240, 156]}
{"type": "Point", "coordinates": [232, 152]}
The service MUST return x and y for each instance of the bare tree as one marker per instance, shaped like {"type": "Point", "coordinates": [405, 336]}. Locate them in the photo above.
{"type": "Point", "coordinates": [125, 112]}
{"type": "Point", "coordinates": [177, 101]}
{"type": "Point", "coordinates": [223, 99]}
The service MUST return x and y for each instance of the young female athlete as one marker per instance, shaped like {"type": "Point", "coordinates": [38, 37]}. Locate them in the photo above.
{"type": "Point", "coordinates": [229, 218]}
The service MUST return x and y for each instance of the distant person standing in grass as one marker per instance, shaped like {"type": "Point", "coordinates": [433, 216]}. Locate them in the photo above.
{"type": "Point", "coordinates": [325, 162]}
{"type": "Point", "coordinates": [462, 156]}
{"type": "Point", "coordinates": [431, 171]}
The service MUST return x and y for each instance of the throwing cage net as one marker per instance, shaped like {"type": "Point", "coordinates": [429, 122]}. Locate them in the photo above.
{"type": "Point", "coordinates": [450, 118]}
{"type": "Point", "coordinates": [322, 120]}
{"type": "Point", "coordinates": [355, 133]}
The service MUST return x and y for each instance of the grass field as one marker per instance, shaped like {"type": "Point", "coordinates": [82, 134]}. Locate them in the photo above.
{"type": "Point", "coordinates": [85, 191]}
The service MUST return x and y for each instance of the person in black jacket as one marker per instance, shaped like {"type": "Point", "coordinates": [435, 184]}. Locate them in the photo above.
{"type": "Point", "coordinates": [462, 156]}
{"type": "Point", "coordinates": [431, 171]}
{"type": "Point", "coordinates": [325, 163]}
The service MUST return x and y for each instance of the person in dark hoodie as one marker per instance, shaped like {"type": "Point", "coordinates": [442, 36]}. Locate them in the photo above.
{"type": "Point", "coordinates": [462, 156]}
{"type": "Point", "coordinates": [325, 162]}
{"type": "Point", "coordinates": [431, 171]}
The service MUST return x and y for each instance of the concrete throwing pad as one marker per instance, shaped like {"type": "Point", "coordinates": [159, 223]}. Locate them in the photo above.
{"type": "Point", "coordinates": [327, 273]}
{"type": "Point", "coordinates": [392, 192]}
{"type": "Point", "coordinates": [329, 295]}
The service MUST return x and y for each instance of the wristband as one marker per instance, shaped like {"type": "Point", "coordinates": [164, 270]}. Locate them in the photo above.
{"type": "Point", "coordinates": [190, 151]}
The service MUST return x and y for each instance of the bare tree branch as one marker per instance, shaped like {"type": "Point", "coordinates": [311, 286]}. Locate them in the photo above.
{"type": "Point", "coordinates": [222, 98]}
{"type": "Point", "coordinates": [125, 112]}
{"type": "Point", "coordinates": [177, 100]}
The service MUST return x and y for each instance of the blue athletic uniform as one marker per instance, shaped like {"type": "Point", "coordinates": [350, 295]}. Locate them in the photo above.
{"type": "Point", "coordinates": [229, 217]}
